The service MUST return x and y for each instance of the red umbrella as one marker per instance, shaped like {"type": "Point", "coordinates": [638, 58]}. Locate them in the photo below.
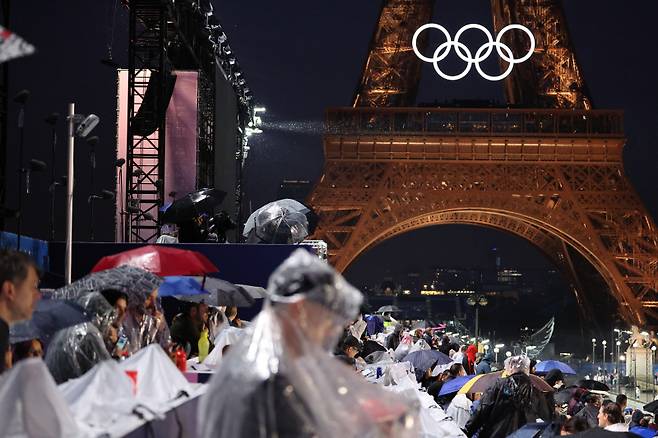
{"type": "Point", "coordinates": [160, 260]}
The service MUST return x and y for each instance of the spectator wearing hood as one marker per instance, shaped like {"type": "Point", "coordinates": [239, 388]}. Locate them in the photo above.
{"type": "Point", "coordinates": [393, 340]}
{"type": "Point", "coordinates": [484, 366]}
{"type": "Point", "coordinates": [640, 425]}
{"type": "Point", "coordinates": [555, 378]}
{"type": "Point", "coordinates": [510, 403]}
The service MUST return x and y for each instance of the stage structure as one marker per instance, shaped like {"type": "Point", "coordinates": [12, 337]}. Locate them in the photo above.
{"type": "Point", "coordinates": [547, 167]}
{"type": "Point", "coordinates": [175, 36]}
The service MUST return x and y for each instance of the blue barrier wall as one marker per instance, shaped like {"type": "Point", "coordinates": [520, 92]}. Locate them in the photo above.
{"type": "Point", "coordinates": [38, 249]}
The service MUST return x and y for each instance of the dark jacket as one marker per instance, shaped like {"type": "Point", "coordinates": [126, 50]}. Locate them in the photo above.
{"type": "Point", "coordinates": [484, 366]}
{"type": "Point", "coordinates": [277, 410]}
{"type": "Point", "coordinates": [4, 342]}
{"type": "Point", "coordinates": [186, 332]}
{"type": "Point", "coordinates": [590, 413]}
{"type": "Point", "coordinates": [507, 405]}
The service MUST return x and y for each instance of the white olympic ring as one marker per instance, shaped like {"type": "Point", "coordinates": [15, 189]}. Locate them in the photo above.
{"type": "Point", "coordinates": [465, 54]}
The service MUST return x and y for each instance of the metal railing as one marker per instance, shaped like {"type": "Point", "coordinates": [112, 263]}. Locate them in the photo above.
{"type": "Point", "coordinates": [474, 122]}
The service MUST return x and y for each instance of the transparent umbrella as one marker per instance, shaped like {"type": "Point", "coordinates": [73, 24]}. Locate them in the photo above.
{"type": "Point", "coordinates": [282, 221]}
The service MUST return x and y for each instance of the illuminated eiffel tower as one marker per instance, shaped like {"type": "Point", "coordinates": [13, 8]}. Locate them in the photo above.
{"type": "Point", "coordinates": [551, 172]}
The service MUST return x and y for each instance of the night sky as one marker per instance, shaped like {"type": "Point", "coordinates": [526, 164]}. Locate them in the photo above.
{"type": "Point", "coordinates": [299, 58]}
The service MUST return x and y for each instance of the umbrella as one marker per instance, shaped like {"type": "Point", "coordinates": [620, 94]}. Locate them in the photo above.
{"type": "Point", "coordinates": [255, 291]}
{"type": "Point", "coordinates": [134, 282]}
{"type": "Point", "coordinates": [530, 430]}
{"type": "Point", "coordinates": [422, 360]}
{"type": "Point", "coordinates": [592, 385]}
{"type": "Point", "coordinates": [49, 316]}
{"type": "Point", "coordinates": [222, 293]}
{"type": "Point", "coordinates": [370, 347]}
{"type": "Point", "coordinates": [482, 382]}
{"type": "Point", "coordinates": [545, 366]}
{"type": "Point", "coordinates": [160, 260]}
{"type": "Point", "coordinates": [565, 395]}
{"type": "Point", "coordinates": [192, 205]}
{"type": "Point", "coordinates": [282, 221]}
{"type": "Point", "coordinates": [384, 309]}
{"type": "Point", "coordinates": [454, 385]}
{"type": "Point", "coordinates": [179, 285]}
{"type": "Point", "coordinates": [651, 407]}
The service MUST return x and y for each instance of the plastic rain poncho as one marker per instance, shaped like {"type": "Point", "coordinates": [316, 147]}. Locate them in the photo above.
{"type": "Point", "coordinates": [32, 406]}
{"type": "Point", "coordinates": [145, 325]}
{"type": "Point", "coordinates": [75, 350]}
{"type": "Point", "coordinates": [280, 379]}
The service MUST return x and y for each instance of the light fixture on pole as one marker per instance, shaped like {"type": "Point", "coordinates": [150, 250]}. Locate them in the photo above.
{"type": "Point", "coordinates": [52, 121]}
{"type": "Point", "coordinates": [593, 350]}
{"type": "Point", "coordinates": [21, 99]}
{"type": "Point", "coordinates": [107, 195]}
{"type": "Point", "coordinates": [477, 300]}
{"type": "Point", "coordinates": [604, 343]}
{"type": "Point", "coordinates": [78, 126]}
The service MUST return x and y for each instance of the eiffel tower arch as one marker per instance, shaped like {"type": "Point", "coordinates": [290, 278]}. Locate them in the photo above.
{"type": "Point", "coordinates": [549, 170]}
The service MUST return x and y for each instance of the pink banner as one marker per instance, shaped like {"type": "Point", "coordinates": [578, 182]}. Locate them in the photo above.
{"type": "Point", "coordinates": [180, 139]}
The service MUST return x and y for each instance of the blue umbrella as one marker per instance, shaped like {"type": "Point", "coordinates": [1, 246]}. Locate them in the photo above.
{"type": "Point", "coordinates": [545, 366]}
{"type": "Point", "coordinates": [48, 317]}
{"type": "Point", "coordinates": [180, 286]}
{"type": "Point", "coordinates": [454, 385]}
{"type": "Point", "coordinates": [422, 360]}
{"type": "Point", "coordinates": [530, 430]}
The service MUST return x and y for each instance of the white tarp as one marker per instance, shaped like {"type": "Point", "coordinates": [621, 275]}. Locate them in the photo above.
{"type": "Point", "coordinates": [101, 396]}
{"type": "Point", "coordinates": [158, 379]}
{"type": "Point", "coordinates": [228, 336]}
{"type": "Point", "coordinates": [32, 406]}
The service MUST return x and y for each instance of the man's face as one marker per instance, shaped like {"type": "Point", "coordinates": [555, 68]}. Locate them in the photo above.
{"type": "Point", "coordinates": [603, 421]}
{"type": "Point", "coordinates": [22, 296]}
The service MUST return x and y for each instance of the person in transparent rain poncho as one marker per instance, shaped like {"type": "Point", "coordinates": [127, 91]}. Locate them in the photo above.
{"type": "Point", "coordinates": [75, 350]}
{"type": "Point", "coordinates": [144, 322]}
{"type": "Point", "coordinates": [281, 381]}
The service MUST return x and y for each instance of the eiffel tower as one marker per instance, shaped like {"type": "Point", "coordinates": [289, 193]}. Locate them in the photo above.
{"type": "Point", "coordinates": [547, 168]}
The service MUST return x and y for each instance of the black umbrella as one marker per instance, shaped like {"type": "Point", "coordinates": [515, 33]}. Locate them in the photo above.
{"type": "Point", "coordinates": [592, 385]}
{"type": "Point", "coordinates": [192, 205]}
{"type": "Point", "coordinates": [370, 347]}
{"type": "Point", "coordinates": [597, 432]}
{"type": "Point", "coordinates": [48, 317]}
{"type": "Point", "coordinates": [651, 407]}
{"type": "Point", "coordinates": [222, 293]}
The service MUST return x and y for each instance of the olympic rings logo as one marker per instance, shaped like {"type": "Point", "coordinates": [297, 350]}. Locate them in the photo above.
{"type": "Point", "coordinates": [465, 54]}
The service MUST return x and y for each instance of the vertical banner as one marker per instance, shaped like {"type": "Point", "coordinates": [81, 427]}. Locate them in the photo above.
{"type": "Point", "coordinates": [181, 137]}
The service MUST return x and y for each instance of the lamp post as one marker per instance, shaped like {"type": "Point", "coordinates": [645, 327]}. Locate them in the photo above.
{"type": "Point", "coordinates": [604, 343]}
{"type": "Point", "coordinates": [593, 352]}
{"type": "Point", "coordinates": [496, 351]}
{"type": "Point", "coordinates": [618, 343]}
{"type": "Point", "coordinates": [80, 126]}
{"type": "Point", "coordinates": [653, 376]}
{"type": "Point", "coordinates": [477, 300]}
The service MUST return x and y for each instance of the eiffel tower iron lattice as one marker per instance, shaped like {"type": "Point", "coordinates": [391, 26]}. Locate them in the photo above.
{"type": "Point", "coordinates": [553, 175]}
